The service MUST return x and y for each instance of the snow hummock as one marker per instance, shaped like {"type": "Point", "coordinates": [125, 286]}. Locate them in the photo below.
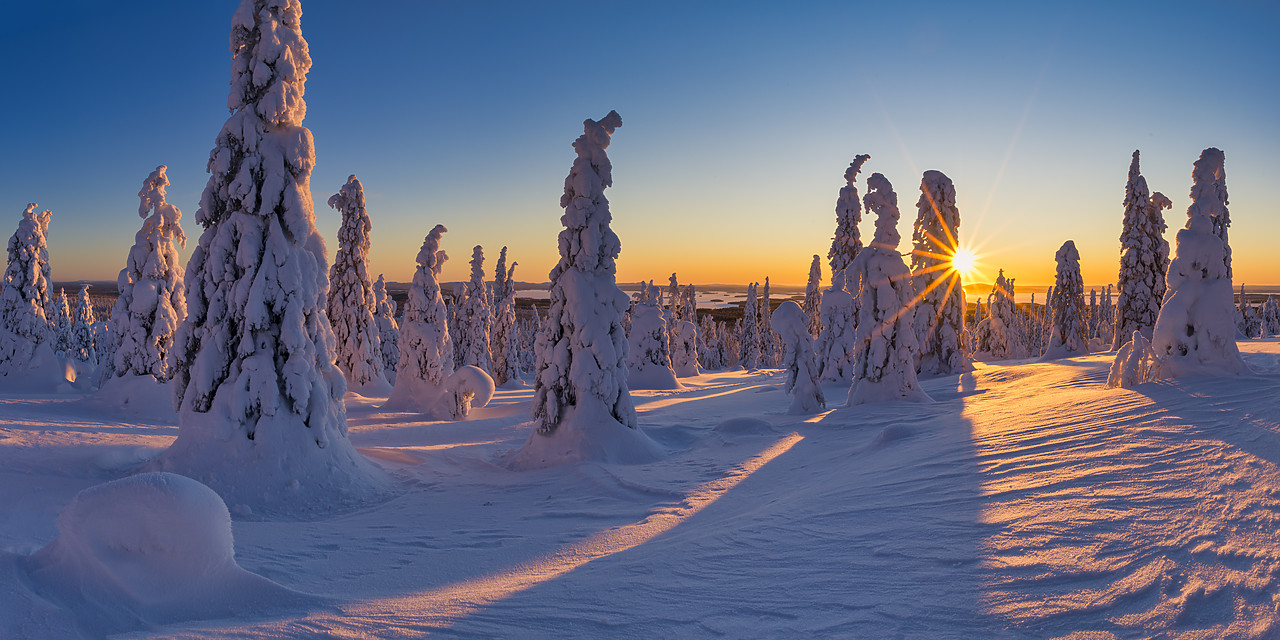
{"type": "Point", "coordinates": [145, 550]}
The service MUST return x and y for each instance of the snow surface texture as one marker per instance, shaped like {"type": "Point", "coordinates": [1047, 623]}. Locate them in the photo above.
{"type": "Point", "coordinates": [885, 365]}
{"type": "Point", "coordinates": [260, 400]}
{"type": "Point", "coordinates": [1067, 339]}
{"type": "Point", "coordinates": [147, 550]}
{"type": "Point", "coordinates": [151, 304]}
{"type": "Point", "coordinates": [582, 406]}
{"type": "Point", "coordinates": [790, 322]}
{"type": "Point", "coordinates": [940, 310]}
{"type": "Point", "coordinates": [1027, 502]}
{"type": "Point", "coordinates": [648, 361]}
{"type": "Point", "coordinates": [1144, 259]}
{"type": "Point", "coordinates": [351, 302]}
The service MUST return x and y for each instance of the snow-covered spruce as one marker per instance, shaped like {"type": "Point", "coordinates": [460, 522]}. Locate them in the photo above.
{"type": "Point", "coordinates": [358, 347]}
{"type": "Point", "coordinates": [426, 380]}
{"type": "Point", "coordinates": [476, 316]}
{"type": "Point", "coordinates": [684, 358]}
{"type": "Point", "coordinates": [151, 303]}
{"type": "Point", "coordinates": [24, 296]}
{"type": "Point", "coordinates": [770, 344]}
{"type": "Point", "coordinates": [790, 322]}
{"type": "Point", "coordinates": [836, 342]}
{"type": "Point", "coordinates": [1144, 259]}
{"type": "Point", "coordinates": [582, 408]}
{"type": "Point", "coordinates": [262, 420]}
{"type": "Point", "coordinates": [82, 320]}
{"type": "Point", "coordinates": [503, 341]}
{"type": "Point", "coordinates": [941, 308]}
{"type": "Point", "coordinates": [1209, 196]}
{"type": "Point", "coordinates": [59, 314]}
{"type": "Point", "coordinates": [1067, 337]}
{"type": "Point", "coordinates": [885, 364]}
{"type": "Point", "coordinates": [648, 361]}
{"type": "Point", "coordinates": [847, 241]}
{"type": "Point", "coordinates": [813, 297]}
{"type": "Point", "coordinates": [1195, 334]}
{"type": "Point", "coordinates": [749, 349]}
{"type": "Point", "coordinates": [1000, 333]}
{"type": "Point", "coordinates": [388, 329]}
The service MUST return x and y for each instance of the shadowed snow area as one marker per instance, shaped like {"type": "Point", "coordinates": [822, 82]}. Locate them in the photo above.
{"type": "Point", "coordinates": [1025, 502]}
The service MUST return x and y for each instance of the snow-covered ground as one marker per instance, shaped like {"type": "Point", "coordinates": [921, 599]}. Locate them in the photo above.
{"type": "Point", "coordinates": [1026, 501]}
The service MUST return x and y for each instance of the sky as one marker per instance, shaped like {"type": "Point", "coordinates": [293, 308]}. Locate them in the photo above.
{"type": "Point", "coordinates": [739, 119]}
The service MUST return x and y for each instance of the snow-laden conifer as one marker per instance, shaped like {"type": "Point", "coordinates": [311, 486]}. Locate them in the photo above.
{"type": "Point", "coordinates": [847, 241]}
{"type": "Point", "coordinates": [388, 328]}
{"type": "Point", "coordinates": [262, 420]}
{"type": "Point", "coordinates": [25, 293]}
{"type": "Point", "coordinates": [649, 363]}
{"type": "Point", "coordinates": [151, 303]}
{"type": "Point", "coordinates": [476, 316]}
{"type": "Point", "coordinates": [790, 322]}
{"type": "Point", "coordinates": [770, 342]}
{"type": "Point", "coordinates": [426, 349]}
{"type": "Point", "coordinates": [1068, 336]}
{"type": "Point", "coordinates": [352, 304]}
{"type": "Point", "coordinates": [1000, 333]}
{"type": "Point", "coordinates": [940, 310]}
{"type": "Point", "coordinates": [82, 320]}
{"type": "Point", "coordinates": [60, 323]}
{"type": "Point", "coordinates": [684, 358]}
{"type": "Point", "coordinates": [813, 297]}
{"type": "Point", "coordinates": [836, 345]}
{"type": "Point", "coordinates": [504, 343]}
{"type": "Point", "coordinates": [750, 347]}
{"type": "Point", "coordinates": [1144, 258]}
{"type": "Point", "coordinates": [1209, 196]}
{"type": "Point", "coordinates": [581, 404]}
{"type": "Point", "coordinates": [885, 365]}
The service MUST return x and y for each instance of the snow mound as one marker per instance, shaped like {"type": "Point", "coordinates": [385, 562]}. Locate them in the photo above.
{"type": "Point", "coordinates": [149, 549]}
{"type": "Point", "coordinates": [467, 388]}
{"type": "Point", "coordinates": [134, 397]}
{"type": "Point", "coordinates": [42, 371]}
{"type": "Point", "coordinates": [584, 437]}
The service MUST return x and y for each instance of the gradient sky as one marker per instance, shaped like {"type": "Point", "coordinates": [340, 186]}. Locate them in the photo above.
{"type": "Point", "coordinates": [739, 121]}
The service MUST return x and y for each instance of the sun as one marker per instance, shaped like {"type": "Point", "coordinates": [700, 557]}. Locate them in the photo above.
{"type": "Point", "coordinates": [963, 262]}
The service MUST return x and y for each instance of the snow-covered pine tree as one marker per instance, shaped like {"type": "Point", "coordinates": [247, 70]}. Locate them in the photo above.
{"type": "Point", "coordinates": [426, 349]}
{"type": "Point", "coordinates": [750, 347]}
{"type": "Point", "coordinates": [1248, 320]}
{"type": "Point", "coordinates": [885, 364]}
{"type": "Point", "coordinates": [1209, 195]}
{"type": "Point", "coordinates": [82, 320]}
{"type": "Point", "coordinates": [813, 297]}
{"type": "Point", "coordinates": [504, 342]}
{"type": "Point", "coordinates": [940, 310]}
{"type": "Point", "coordinates": [1068, 336]}
{"type": "Point", "coordinates": [689, 310]}
{"type": "Point", "coordinates": [581, 403]}
{"type": "Point", "coordinates": [358, 350]}
{"type": "Point", "coordinates": [649, 363]}
{"type": "Point", "coordinates": [60, 324]}
{"type": "Point", "coordinates": [262, 420]}
{"type": "Point", "coordinates": [836, 343]}
{"type": "Point", "coordinates": [684, 359]}
{"type": "Point", "coordinates": [1107, 325]}
{"type": "Point", "coordinates": [24, 295]}
{"type": "Point", "coordinates": [477, 316]}
{"type": "Point", "coordinates": [790, 322]}
{"type": "Point", "coordinates": [1000, 332]}
{"type": "Point", "coordinates": [769, 343]}
{"type": "Point", "coordinates": [1144, 258]}
{"type": "Point", "coordinates": [388, 329]}
{"type": "Point", "coordinates": [847, 241]}
{"type": "Point", "coordinates": [151, 303]}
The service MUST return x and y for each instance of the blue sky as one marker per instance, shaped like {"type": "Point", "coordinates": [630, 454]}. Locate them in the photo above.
{"type": "Point", "coordinates": [739, 120]}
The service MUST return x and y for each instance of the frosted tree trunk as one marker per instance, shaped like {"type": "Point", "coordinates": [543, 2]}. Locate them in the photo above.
{"type": "Point", "coordinates": [262, 420]}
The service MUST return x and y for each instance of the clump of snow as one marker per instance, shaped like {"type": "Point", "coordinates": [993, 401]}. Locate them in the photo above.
{"type": "Point", "coordinates": [885, 365]}
{"type": "Point", "coordinates": [941, 308]}
{"type": "Point", "coordinates": [149, 549]}
{"type": "Point", "coordinates": [1067, 338]}
{"type": "Point", "coordinates": [791, 322]}
{"type": "Point", "coordinates": [1135, 363]}
{"type": "Point", "coordinates": [582, 407]}
{"type": "Point", "coordinates": [351, 302]}
{"type": "Point", "coordinates": [261, 403]}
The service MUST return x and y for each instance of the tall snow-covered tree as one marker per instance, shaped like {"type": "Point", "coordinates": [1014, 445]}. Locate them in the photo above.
{"type": "Point", "coordinates": [940, 311]}
{"type": "Point", "coordinates": [750, 347]}
{"type": "Point", "coordinates": [885, 365]}
{"type": "Point", "coordinates": [1209, 195]}
{"type": "Point", "coordinates": [836, 343]}
{"type": "Point", "coordinates": [60, 323]}
{"type": "Point", "coordinates": [504, 342]}
{"type": "Point", "coordinates": [770, 349]}
{"type": "Point", "coordinates": [151, 303]}
{"type": "Point", "coordinates": [426, 349]}
{"type": "Point", "coordinates": [847, 241]}
{"type": "Point", "coordinates": [581, 403]}
{"type": "Point", "coordinates": [813, 297]}
{"type": "Point", "coordinates": [388, 329]}
{"type": "Point", "coordinates": [262, 420]}
{"type": "Point", "coordinates": [790, 322]}
{"type": "Point", "coordinates": [1000, 333]}
{"type": "Point", "coordinates": [477, 316]}
{"type": "Point", "coordinates": [1068, 337]}
{"type": "Point", "coordinates": [648, 354]}
{"type": "Point", "coordinates": [352, 304]}
{"type": "Point", "coordinates": [25, 293]}
{"type": "Point", "coordinates": [1144, 258]}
